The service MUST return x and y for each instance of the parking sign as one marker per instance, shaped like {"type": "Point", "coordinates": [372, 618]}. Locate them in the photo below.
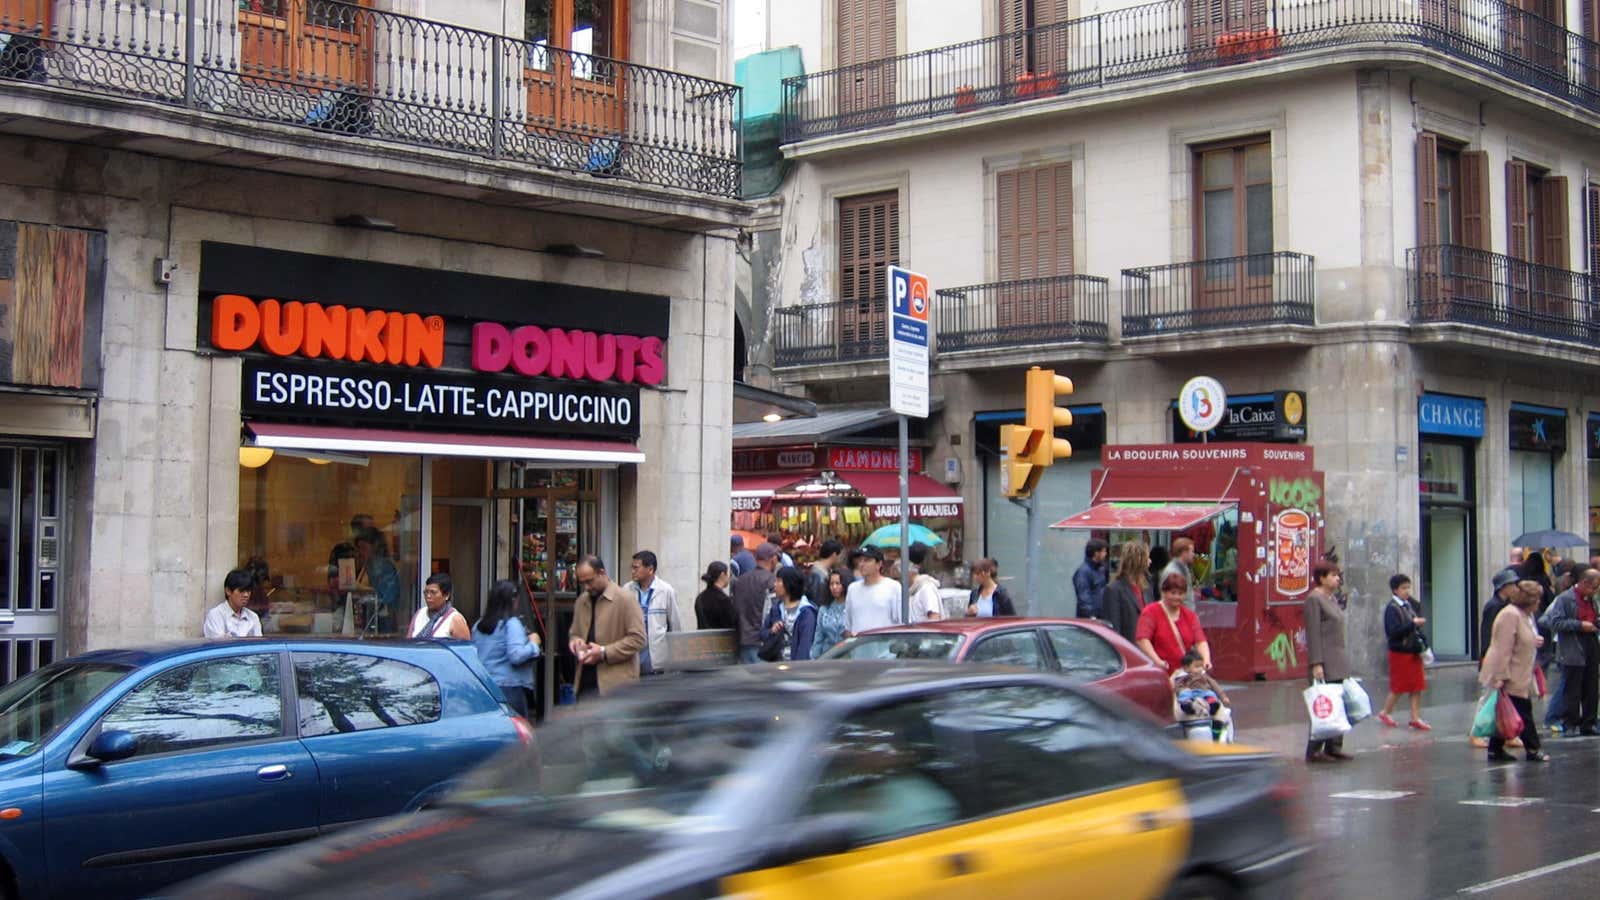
{"type": "Point", "coordinates": [909, 305]}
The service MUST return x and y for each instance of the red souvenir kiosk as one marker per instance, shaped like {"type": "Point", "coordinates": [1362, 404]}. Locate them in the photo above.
{"type": "Point", "coordinates": [1255, 513]}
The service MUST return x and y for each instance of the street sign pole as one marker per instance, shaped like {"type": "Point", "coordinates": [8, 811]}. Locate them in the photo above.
{"type": "Point", "coordinates": [910, 304]}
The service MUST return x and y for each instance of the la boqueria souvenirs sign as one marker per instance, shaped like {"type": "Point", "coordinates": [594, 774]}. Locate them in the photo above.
{"type": "Point", "coordinates": [354, 342]}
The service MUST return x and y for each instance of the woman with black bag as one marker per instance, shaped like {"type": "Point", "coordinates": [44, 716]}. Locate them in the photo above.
{"type": "Point", "coordinates": [1402, 625]}
{"type": "Point", "coordinates": [791, 623]}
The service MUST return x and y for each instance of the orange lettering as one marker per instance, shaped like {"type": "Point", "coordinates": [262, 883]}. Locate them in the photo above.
{"type": "Point", "coordinates": [394, 337]}
{"type": "Point", "coordinates": [325, 330]}
{"type": "Point", "coordinates": [424, 340]}
{"type": "Point", "coordinates": [235, 324]}
{"type": "Point", "coordinates": [283, 327]}
{"type": "Point", "coordinates": [366, 336]}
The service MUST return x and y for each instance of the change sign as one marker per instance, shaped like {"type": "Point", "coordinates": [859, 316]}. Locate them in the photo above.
{"type": "Point", "coordinates": [909, 305]}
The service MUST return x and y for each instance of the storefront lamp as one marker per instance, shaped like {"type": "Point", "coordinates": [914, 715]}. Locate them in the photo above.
{"type": "Point", "coordinates": [254, 457]}
{"type": "Point", "coordinates": [772, 417]}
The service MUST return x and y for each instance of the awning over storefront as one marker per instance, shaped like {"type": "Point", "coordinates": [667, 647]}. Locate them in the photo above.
{"type": "Point", "coordinates": [929, 498]}
{"type": "Point", "coordinates": [1143, 516]}
{"type": "Point", "coordinates": [381, 440]}
{"type": "Point", "coordinates": [764, 485]}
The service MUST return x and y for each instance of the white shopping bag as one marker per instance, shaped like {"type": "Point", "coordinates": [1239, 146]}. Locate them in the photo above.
{"type": "Point", "coordinates": [1325, 704]}
{"type": "Point", "coordinates": [1357, 705]}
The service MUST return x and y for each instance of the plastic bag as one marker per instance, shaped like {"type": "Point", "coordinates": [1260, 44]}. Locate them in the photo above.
{"type": "Point", "coordinates": [1357, 705]}
{"type": "Point", "coordinates": [1483, 721]}
{"type": "Point", "coordinates": [1325, 704]}
{"type": "Point", "coordinates": [1427, 656]}
{"type": "Point", "coordinates": [1506, 717]}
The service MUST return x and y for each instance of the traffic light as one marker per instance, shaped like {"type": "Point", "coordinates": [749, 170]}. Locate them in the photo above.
{"type": "Point", "coordinates": [1018, 474]}
{"type": "Point", "coordinates": [1043, 416]}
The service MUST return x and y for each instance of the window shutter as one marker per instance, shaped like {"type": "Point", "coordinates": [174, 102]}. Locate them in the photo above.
{"type": "Point", "coordinates": [1007, 264]}
{"type": "Point", "coordinates": [869, 241]}
{"type": "Point", "coordinates": [1427, 190]}
{"type": "Point", "coordinates": [1475, 199]}
{"type": "Point", "coordinates": [1592, 225]}
{"type": "Point", "coordinates": [1517, 211]}
{"type": "Point", "coordinates": [1063, 219]}
{"type": "Point", "coordinates": [1553, 210]}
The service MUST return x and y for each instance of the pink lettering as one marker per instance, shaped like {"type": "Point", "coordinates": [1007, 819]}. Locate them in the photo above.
{"type": "Point", "coordinates": [599, 356]}
{"type": "Point", "coordinates": [530, 350]}
{"type": "Point", "coordinates": [491, 347]}
{"type": "Point", "coordinates": [566, 353]}
{"type": "Point", "coordinates": [627, 355]}
{"type": "Point", "coordinates": [652, 368]}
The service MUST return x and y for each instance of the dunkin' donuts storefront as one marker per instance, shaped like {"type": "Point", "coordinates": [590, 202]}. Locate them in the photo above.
{"type": "Point", "coordinates": [397, 422]}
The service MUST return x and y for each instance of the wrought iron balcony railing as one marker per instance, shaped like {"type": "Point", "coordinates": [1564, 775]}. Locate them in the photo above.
{"type": "Point", "coordinates": [1060, 310]}
{"type": "Point", "coordinates": [1447, 283]}
{"type": "Point", "coordinates": [1182, 36]}
{"type": "Point", "coordinates": [813, 333]}
{"type": "Point", "coordinates": [1236, 292]}
{"type": "Point", "coordinates": [349, 69]}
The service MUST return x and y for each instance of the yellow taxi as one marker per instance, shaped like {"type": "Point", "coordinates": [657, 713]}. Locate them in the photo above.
{"type": "Point", "coordinates": [831, 779]}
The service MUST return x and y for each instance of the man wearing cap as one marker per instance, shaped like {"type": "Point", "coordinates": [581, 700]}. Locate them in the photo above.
{"type": "Point", "coordinates": [752, 591]}
{"type": "Point", "coordinates": [1505, 582]}
{"type": "Point", "coordinates": [739, 559]}
{"type": "Point", "coordinates": [872, 601]}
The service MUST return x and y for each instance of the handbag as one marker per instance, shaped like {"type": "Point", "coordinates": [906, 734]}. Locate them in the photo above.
{"type": "Point", "coordinates": [1325, 704]}
{"type": "Point", "coordinates": [1539, 683]}
{"type": "Point", "coordinates": [1506, 718]}
{"type": "Point", "coordinates": [772, 645]}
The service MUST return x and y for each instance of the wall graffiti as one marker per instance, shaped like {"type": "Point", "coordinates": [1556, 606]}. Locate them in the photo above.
{"type": "Point", "coordinates": [1281, 652]}
{"type": "Point", "coordinates": [1298, 492]}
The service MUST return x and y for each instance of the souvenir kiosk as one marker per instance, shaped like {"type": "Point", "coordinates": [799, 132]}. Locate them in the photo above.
{"type": "Point", "coordinates": [1255, 513]}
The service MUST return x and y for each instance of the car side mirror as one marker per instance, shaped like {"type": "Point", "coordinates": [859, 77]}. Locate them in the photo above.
{"type": "Point", "coordinates": [110, 746]}
{"type": "Point", "coordinates": [826, 835]}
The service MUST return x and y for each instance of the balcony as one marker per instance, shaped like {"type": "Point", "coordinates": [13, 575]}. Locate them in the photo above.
{"type": "Point", "coordinates": [1085, 55]}
{"type": "Point", "coordinates": [818, 333]}
{"type": "Point", "coordinates": [1063, 310]}
{"type": "Point", "coordinates": [1459, 285]}
{"type": "Point", "coordinates": [1236, 292]}
{"type": "Point", "coordinates": [346, 69]}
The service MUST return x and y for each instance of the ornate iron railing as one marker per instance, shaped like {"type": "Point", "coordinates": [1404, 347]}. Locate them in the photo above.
{"type": "Point", "coordinates": [345, 68]}
{"type": "Point", "coordinates": [1180, 36]}
{"type": "Point", "coordinates": [1061, 310]}
{"type": "Point", "coordinates": [1447, 283]}
{"type": "Point", "coordinates": [1235, 292]}
{"type": "Point", "coordinates": [813, 333]}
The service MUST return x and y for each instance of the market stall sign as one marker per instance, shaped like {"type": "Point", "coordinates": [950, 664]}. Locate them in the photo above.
{"type": "Point", "coordinates": [1278, 416]}
{"type": "Point", "coordinates": [871, 459]}
{"type": "Point", "coordinates": [774, 459]}
{"type": "Point", "coordinates": [918, 510]}
{"type": "Point", "coordinates": [335, 393]}
{"type": "Point", "coordinates": [1168, 456]}
{"type": "Point", "coordinates": [1541, 428]}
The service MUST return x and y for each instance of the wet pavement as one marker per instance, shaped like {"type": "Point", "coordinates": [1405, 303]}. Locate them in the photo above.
{"type": "Point", "coordinates": [1422, 814]}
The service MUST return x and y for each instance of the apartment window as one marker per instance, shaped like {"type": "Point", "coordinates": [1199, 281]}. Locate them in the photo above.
{"type": "Point", "coordinates": [589, 27]}
{"type": "Point", "coordinates": [1536, 213]}
{"type": "Point", "coordinates": [1031, 45]}
{"type": "Point", "coordinates": [1591, 221]}
{"type": "Point", "coordinates": [1213, 19]}
{"type": "Point", "coordinates": [869, 242]}
{"type": "Point", "coordinates": [1033, 213]}
{"type": "Point", "coordinates": [1235, 191]}
{"type": "Point", "coordinates": [1452, 194]}
{"type": "Point", "coordinates": [1535, 31]}
{"type": "Point", "coordinates": [865, 39]}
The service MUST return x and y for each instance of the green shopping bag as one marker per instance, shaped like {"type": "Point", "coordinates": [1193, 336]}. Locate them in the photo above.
{"type": "Point", "coordinates": [1483, 724]}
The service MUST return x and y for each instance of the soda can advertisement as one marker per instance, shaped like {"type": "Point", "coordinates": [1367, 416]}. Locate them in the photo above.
{"type": "Point", "coordinates": [1291, 530]}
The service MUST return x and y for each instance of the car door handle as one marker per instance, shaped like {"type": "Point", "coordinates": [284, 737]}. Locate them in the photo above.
{"type": "Point", "coordinates": [278, 772]}
{"type": "Point", "coordinates": [958, 864]}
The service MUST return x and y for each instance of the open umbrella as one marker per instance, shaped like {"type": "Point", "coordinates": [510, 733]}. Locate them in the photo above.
{"type": "Point", "coordinates": [889, 536]}
{"type": "Point", "coordinates": [1550, 537]}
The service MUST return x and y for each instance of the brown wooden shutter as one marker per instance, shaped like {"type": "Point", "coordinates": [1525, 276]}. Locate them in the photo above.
{"type": "Point", "coordinates": [1517, 211]}
{"type": "Point", "coordinates": [1554, 211]}
{"type": "Point", "coordinates": [1592, 228]}
{"type": "Point", "coordinates": [1008, 265]}
{"type": "Point", "coordinates": [869, 241]}
{"type": "Point", "coordinates": [866, 34]}
{"type": "Point", "coordinates": [1475, 200]}
{"type": "Point", "coordinates": [1034, 240]}
{"type": "Point", "coordinates": [1427, 190]}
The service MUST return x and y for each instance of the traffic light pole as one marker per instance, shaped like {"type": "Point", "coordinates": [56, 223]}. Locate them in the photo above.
{"type": "Point", "coordinates": [1030, 557]}
{"type": "Point", "coordinates": [905, 522]}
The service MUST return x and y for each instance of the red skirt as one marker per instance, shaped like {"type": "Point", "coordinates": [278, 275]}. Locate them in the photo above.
{"type": "Point", "coordinates": [1405, 673]}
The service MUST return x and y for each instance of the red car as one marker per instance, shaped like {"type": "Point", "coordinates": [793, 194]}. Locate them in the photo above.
{"type": "Point", "coordinates": [1081, 649]}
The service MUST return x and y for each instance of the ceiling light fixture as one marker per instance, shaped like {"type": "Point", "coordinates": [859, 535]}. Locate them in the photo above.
{"type": "Point", "coordinates": [772, 417]}
{"type": "Point", "coordinates": [575, 250]}
{"type": "Point", "coordinates": [362, 220]}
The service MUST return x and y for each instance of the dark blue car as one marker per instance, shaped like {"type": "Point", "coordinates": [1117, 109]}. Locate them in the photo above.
{"type": "Point", "coordinates": [122, 771]}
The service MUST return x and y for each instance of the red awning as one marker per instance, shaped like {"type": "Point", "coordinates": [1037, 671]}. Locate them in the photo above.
{"type": "Point", "coordinates": [884, 487]}
{"type": "Point", "coordinates": [1143, 516]}
{"type": "Point", "coordinates": [763, 485]}
{"type": "Point", "coordinates": [312, 438]}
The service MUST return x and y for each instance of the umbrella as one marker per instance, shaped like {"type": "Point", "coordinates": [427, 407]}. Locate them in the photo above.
{"type": "Point", "coordinates": [889, 536]}
{"type": "Point", "coordinates": [1549, 537]}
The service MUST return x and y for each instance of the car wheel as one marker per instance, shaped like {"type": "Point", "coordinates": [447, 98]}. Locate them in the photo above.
{"type": "Point", "coordinates": [1202, 887]}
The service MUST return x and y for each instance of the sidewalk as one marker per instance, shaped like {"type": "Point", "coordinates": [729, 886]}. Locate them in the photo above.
{"type": "Point", "coordinates": [1272, 714]}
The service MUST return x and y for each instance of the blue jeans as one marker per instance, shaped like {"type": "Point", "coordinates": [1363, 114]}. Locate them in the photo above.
{"type": "Point", "coordinates": [1555, 705]}
{"type": "Point", "coordinates": [747, 655]}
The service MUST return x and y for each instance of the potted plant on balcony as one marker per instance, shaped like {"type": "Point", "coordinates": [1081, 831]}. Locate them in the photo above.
{"type": "Point", "coordinates": [1246, 44]}
{"type": "Point", "coordinates": [966, 98]}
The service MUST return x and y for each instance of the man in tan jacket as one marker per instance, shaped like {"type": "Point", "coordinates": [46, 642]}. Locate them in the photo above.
{"type": "Point", "coordinates": [607, 631]}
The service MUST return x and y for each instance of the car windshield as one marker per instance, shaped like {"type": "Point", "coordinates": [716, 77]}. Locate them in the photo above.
{"type": "Point", "coordinates": [629, 766]}
{"type": "Point", "coordinates": [34, 708]}
{"type": "Point", "coordinates": [897, 646]}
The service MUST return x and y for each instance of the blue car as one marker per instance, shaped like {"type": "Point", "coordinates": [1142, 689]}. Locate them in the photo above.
{"type": "Point", "coordinates": [123, 771]}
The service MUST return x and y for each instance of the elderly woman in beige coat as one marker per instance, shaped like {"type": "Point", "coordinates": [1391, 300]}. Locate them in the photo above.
{"type": "Point", "coordinates": [1326, 659]}
{"type": "Point", "coordinates": [1508, 667]}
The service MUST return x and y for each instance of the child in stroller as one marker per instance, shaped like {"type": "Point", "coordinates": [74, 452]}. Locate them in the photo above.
{"type": "Point", "coordinates": [1201, 701]}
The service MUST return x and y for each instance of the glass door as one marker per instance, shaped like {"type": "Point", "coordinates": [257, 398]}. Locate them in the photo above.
{"type": "Point", "coordinates": [1447, 587]}
{"type": "Point", "coordinates": [32, 534]}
